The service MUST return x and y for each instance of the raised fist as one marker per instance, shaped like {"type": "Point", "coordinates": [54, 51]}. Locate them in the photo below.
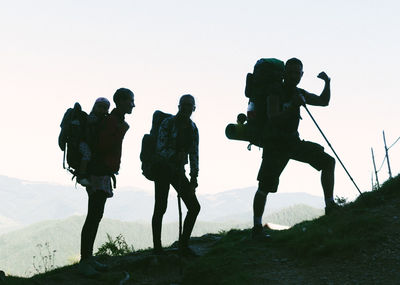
{"type": "Point", "coordinates": [324, 76]}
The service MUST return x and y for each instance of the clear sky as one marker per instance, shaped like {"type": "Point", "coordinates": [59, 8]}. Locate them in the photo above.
{"type": "Point", "coordinates": [54, 53]}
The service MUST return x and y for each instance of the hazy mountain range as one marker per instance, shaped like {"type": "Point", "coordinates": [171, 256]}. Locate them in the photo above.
{"type": "Point", "coordinates": [39, 213]}
{"type": "Point", "coordinates": [23, 203]}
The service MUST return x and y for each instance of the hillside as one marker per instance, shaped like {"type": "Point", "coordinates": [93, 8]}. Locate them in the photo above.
{"type": "Point", "coordinates": [64, 236]}
{"type": "Point", "coordinates": [359, 244]}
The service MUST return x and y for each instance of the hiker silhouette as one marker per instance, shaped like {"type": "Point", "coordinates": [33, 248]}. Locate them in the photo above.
{"type": "Point", "coordinates": [103, 165]}
{"type": "Point", "coordinates": [282, 141]}
{"type": "Point", "coordinates": [177, 139]}
{"type": "Point", "coordinates": [94, 120]}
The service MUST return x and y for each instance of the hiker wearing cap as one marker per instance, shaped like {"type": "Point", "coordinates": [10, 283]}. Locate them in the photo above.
{"type": "Point", "coordinates": [105, 162]}
{"type": "Point", "coordinates": [282, 141]}
{"type": "Point", "coordinates": [96, 116]}
{"type": "Point", "coordinates": [178, 139]}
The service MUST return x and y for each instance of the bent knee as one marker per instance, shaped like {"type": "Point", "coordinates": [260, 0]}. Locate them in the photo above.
{"type": "Point", "coordinates": [195, 209]}
{"type": "Point", "coordinates": [268, 186]}
{"type": "Point", "coordinates": [329, 163]}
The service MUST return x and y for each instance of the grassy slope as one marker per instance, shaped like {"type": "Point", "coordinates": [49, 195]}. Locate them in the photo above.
{"type": "Point", "coordinates": [357, 245]}
{"type": "Point", "coordinates": [64, 236]}
{"type": "Point", "coordinates": [359, 232]}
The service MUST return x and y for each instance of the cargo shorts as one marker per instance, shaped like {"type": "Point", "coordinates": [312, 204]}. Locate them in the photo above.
{"type": "Point", "coordinates": [276, 155]}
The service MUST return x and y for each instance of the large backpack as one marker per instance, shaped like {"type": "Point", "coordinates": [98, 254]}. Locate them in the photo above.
{"type": "Point", "coordinates": [72, 133]}
{"type": "Point", "coordinates": [151, 162]}
{"type": "Point", "coordinates": [265, 80]}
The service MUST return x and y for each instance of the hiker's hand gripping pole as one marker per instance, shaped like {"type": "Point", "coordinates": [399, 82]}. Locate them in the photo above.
{"type": "Point", "coordinates": [322, 133]}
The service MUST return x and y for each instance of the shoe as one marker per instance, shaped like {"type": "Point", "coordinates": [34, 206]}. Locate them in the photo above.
{"type": "Point", "coordinates": [186, 251]}
{"type": "Point", "coordinates": [86, 269]}
{"type": "Point", "coordinates": [332, 208]}
{"type": "Point", "coordinates": [97, 265]}
{"type": "Point", "coordinates": [2, 277]}
{"type": "Point", "coordinates": [159, 251]}
{"type": "Point", "coordinates": [258, 233]}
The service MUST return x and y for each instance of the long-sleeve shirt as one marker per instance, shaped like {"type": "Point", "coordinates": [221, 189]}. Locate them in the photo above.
{"type": "Point", "coordinates": [107, 153]}
{"type": "Point", "coordinates": [172, 139]}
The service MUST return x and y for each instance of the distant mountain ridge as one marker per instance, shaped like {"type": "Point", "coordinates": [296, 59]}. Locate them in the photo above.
{"type": "Point", "coordinates": [18, 247]}
{"type": "Point", "coordinates": [24, 203]}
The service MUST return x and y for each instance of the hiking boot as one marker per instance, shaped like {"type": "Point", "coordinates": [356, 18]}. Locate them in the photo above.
{"type": "Point", "coordinates": [159, 251]}
{"type": "Point", "coordinates": [97, 265]}
{"type": "Point", "coordinates": [186, 251]}
{"type": "Point", "coordinates": [332, 208]}
{"type": "Point", "coordinates": [258, 233]}
{"type": "Point", "coordinates": [86, 269]}
{"type": "Point", "coordinates": [2, 277]}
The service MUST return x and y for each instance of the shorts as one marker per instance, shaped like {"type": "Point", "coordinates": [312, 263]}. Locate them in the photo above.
{"type": "Point", "coordinates": [277, 154]}
{"type": "Point", "coordinates": [100, 183]}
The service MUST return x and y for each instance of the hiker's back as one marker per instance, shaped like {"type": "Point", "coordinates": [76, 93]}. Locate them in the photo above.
{"type": "Point", "coordinates": [94, 125]}
{"type": "Point", "coordinates": [265, 81]}
{"type": "Point", "coordinates": [148, 154]}
{"type": "Point", "coordinates": [107, 144]}
{"type": "Point", "coordinates": [73, 127]}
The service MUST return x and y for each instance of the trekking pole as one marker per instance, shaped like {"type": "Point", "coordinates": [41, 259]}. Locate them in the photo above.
{"type": "Point", "coordinates": [180, 226]}
{"type": "Point", "coordinates": [322, 133]}
{"type": "Point", "coordinates": [64, 159]}
{"type": "Point", "coordinates": [180, 217]}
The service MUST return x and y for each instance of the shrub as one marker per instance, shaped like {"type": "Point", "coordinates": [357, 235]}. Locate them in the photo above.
{"type": "Point", "coordinates": [116, 247]}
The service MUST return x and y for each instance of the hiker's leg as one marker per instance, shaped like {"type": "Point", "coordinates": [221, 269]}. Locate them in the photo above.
{"type": "Point", "coordinates": [260, 199]}
{"type": "Point", "coordinates": [182, 186]}
{"type": "Point", "coordinates": [96, 205]}
{"type": "Point", "coordinates": [328, 179]}
{"type": "Point", "coordinates": [160, 206]}
{"type": "Point", "coordinates": [271, 168]}
{"type": "Point", "coordinates": [315, 155]}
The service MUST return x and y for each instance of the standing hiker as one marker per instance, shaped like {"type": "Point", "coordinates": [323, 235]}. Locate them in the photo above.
{"type": "Point", "coordinates": [104, 164]}
{"type": "Point", "coordinates": [282, 142]}
{"type": "Point", "coordinates": [178, 138]}
{"type": "Point", "coordinates": [99, 112]}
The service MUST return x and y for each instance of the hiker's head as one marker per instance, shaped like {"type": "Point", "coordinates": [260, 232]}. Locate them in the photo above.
{"type": "Point", "coordinates": [293, 72]}
{"type": "Point", "coordinates": [101, 106]}
{"type": "Point", "coordinates": [124, 100]}
{"type": "Point", "coordinates": [186, 105]}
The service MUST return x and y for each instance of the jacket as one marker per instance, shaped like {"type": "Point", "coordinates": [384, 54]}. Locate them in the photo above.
{"type": "Point", "coordinates": [107, 153]}
{"type": "Point", "coordinates": [167, 144]}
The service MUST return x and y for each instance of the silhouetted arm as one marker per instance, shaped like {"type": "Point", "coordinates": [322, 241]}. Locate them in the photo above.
{"type": "Point", "coordinates": [324, 98]}
{"type": "Point", "coordinates": [194, 154]}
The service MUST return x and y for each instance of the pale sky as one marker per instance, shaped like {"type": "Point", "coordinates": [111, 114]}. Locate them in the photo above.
{"type": "Point", "coordinates": [54, 53]}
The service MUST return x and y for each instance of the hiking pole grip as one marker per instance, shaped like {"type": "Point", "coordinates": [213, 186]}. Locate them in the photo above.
{"type": "Point", "coordinates": [322, 133]}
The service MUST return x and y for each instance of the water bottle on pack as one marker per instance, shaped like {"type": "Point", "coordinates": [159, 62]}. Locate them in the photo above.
{"type": "Point", "coordinates": [251, 111]}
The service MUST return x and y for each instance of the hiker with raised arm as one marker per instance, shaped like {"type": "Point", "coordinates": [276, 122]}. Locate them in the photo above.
{"type": "Point", "coordinates": [103, 165]}
{"type": "Point", "coordinates": [282, 141]}
{"type": "Point", "coordinates": [178, 139]}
